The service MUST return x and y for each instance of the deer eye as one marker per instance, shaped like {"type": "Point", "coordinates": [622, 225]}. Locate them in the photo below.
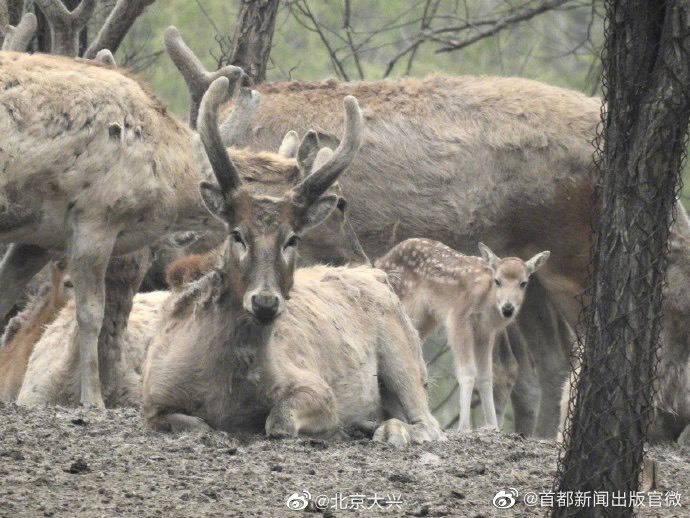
{"type": "Point", "coordinates": [292, 241]}
{"type": "Point", "coordinates": [341, 205]}
{"type": "Point", "coordinates": [68, 284]}
{"type": "Point", "coordinates": [523, 284]}
{"type": "Point", "coordinates": [498, 282]}
{"type": "Point", "coordinates": [236, 237]}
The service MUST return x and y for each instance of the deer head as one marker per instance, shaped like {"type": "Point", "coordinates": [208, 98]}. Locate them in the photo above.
{"type": "Point", "coordinates": [260, 252]}
{"type": "Point", "coordinates": [511, 276]}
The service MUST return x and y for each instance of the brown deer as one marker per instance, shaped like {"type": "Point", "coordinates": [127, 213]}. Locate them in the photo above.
{"type": "Point", "coordinates": [26, 329]}
{"type": "Point", "coordinates": [256, 345]}
{"type": "Point", "coordinates": [474, 298]}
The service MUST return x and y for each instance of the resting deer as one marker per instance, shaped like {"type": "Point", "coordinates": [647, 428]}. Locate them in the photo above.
{"type": "Point", "coordinates": [27, 327]}
{"type": "Point", "coordinates": [474, 298]}
{"type": "Point", "coordinates": [256, 345]}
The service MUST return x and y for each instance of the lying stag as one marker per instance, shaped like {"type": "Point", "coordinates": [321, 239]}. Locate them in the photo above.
{"type": "Point", "coordinates": [474, 298]}
{"type": "Point", "coordinates": [255, 345]}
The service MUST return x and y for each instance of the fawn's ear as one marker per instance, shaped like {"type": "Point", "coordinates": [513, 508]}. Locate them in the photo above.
{"type": "Point", "coordinates": [489, 256]}
{"type": "Point", "coordinates": [537, 262]}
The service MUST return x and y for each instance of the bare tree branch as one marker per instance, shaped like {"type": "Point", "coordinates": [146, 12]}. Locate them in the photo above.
{"type": "Point", "coordinates": [496, 27]}
{"type": "Point", "coordinates": [116, 26]}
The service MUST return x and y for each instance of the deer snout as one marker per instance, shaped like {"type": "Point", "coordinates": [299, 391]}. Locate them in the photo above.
{"type": "Point", "coordinates": [507, 310]}
{"type": "Point", "coordinates": [265, 307]}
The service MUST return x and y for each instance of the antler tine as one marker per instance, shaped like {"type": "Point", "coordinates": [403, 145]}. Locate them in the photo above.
{"type": "Point", "coordinates": [195, 75]}
{"type": "Point", "coordinates": [314, 185]}
{"type": "Point", "coordinates": [65, 26]}
{"type": "Point", "coordinates": [106, 57]}
{"type": "Point", "coordinates": [18, 38]}
{"type": "Point", "coordinates": [236, 124]}
{"type": "Point", "coordinates": [225, 171]}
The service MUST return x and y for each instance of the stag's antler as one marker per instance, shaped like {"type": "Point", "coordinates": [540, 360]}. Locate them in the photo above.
{"type": "Point", "coordinates": [225, 171]}
{"type": "Point", "coordinates": [65, 26]}
{"type": "Point", "coordinates": [195, 75]}
{"type": "Point", "coordinates": [18, 38]}
{"type": "Point", "coordinates": [314, 185]}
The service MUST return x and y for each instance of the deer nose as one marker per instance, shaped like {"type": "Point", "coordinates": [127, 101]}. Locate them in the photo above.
{"type": "Point", "coordinates": [265, 307]}
{"type": "Point", "coordinates": [508, 310]}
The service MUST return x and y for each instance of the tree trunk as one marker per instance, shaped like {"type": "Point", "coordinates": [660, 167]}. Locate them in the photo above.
{"type": "Point", "coordinates": [116, 26]}
{"type": "Point", "coordinates": [251, 44]}
{"type": "Point", "coordinates": [647, 80]}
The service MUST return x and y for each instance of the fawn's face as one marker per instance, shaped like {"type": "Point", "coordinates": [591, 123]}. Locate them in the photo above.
{"type": "Point", "coordinates": [510, 286]}
{"type": "Point", "coordinates": [511, 276]}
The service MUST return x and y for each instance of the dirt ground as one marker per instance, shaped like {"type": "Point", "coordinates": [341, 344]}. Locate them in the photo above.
{"type": "Point", "coordinates": [74, 462]}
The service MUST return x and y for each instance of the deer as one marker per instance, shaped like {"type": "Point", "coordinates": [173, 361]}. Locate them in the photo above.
{"type": "Point", "coordinates": [67, 185]}
{"type": "Point", "coordinates": [475, 298]}
{"type": "Point", "coordinates": [27, 327]}
{"type": "Point", "coordinates": [257, 344]}
{"type": "Point", "coordinates": [52, 373]}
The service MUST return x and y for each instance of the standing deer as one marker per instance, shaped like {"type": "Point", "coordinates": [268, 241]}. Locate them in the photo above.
{"type": "Point", "coordinates": [256, 345]}
{"type": "Point", "coordinates": [474, 298]}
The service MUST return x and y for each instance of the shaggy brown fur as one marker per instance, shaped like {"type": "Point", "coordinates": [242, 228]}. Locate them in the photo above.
{"type": "Point", "coordinates": [26, 329]}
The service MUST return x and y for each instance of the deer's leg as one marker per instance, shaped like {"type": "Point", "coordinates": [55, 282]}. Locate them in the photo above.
{"type": "Point", "coordinates": [122, 280]}
{"type": "Point", "coordinates": [484, 346]}
{"type": "Point", "coordinates": [402, 374]}
{"type": "Point", "coordinates": [18, 266]}
{"type": "Point", "coordinates": [307, 408]}
{"type": "Point", "coordinates": [88, 253]}
{"type": "Point", "coordinates": [461, 342]}
{"type": "Point", "coordinates": [505, 374]}
{"type": "Point", "coordinates": [526, 394]}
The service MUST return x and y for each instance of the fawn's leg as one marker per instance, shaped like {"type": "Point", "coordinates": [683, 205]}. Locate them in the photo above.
{"type": "Point", "coordinates": [483, 353]}
{"type": "Point", "coordinates": [461, 342]}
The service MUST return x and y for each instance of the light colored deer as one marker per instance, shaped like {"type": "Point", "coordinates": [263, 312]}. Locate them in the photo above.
{"type": "Point", "coordinates": [26, 329]}
{"type": "Point", "coordinates": [52, 375]}
{"type": "Point", "coordinates": [256, 345]}
{"type": "Point", "coordinates": [474, 298]}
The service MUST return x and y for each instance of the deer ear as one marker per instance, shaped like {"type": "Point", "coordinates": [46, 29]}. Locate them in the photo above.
{"type": "Point", "coordinates": [317, 212]}
{"type": "Point", "coordinates": [537, 262]}
{"type": "Point", "coordinates": [488, 256]}
{"type": "Point", "coordinates": [306, 153]}
{"type": "Point", "coordinates": [289, 145]}
{"type": "Point", "coordinates": [215, 201]}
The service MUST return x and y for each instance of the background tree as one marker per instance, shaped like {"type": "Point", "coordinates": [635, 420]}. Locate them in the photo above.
{"type": "Point", "coordinates": [643, 143]}
{"type": "Point", "coordinates": [251, 44]}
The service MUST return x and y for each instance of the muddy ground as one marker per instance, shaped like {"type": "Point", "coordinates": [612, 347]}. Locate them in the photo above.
{"type": "Point", "coordinates": [73, 462]}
